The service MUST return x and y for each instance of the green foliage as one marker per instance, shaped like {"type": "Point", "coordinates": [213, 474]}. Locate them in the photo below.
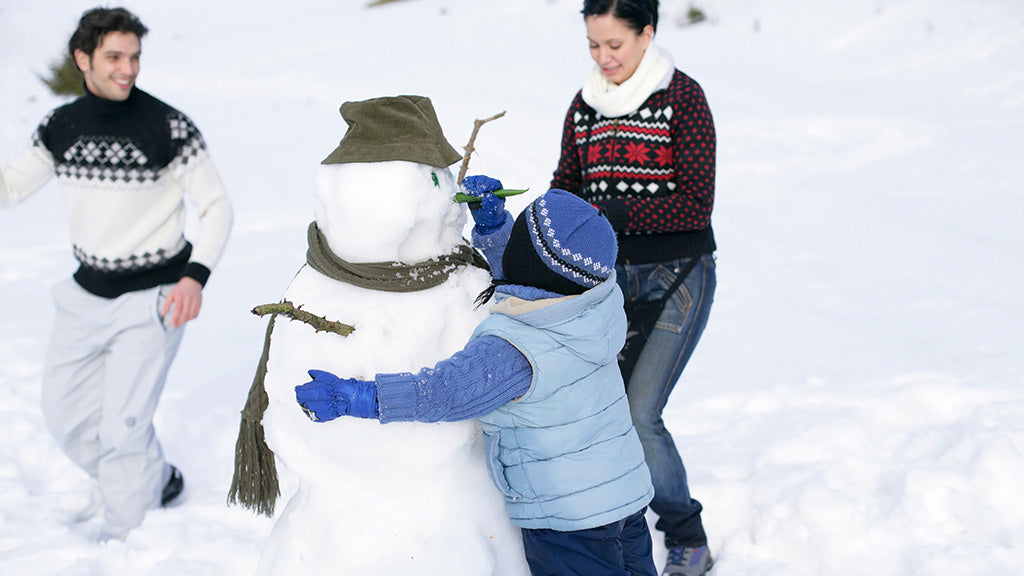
{"type": "Point", "coordinates": [695, 15]}
{"type": "Point", "coordinates": [65, 79]}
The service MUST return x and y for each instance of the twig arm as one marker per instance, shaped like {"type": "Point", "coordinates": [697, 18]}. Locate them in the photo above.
{"type": "Point", "coordinates": [321, 324]}
{"type": "Point", "coordinates": [469, 146]}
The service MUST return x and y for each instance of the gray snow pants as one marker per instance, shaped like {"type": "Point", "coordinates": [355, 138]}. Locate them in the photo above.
{"type": "Point", "coordinates": [104, 373]}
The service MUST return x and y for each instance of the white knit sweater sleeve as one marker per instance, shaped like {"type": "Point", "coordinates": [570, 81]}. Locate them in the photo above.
{"type": "Point", "coordinates": [25, 175]}
{"type": "Point", "coordinates": [204, 189]}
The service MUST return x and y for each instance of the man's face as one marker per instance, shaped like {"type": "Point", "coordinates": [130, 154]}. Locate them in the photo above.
{"type": "Point", "coordinates": [111, 70]}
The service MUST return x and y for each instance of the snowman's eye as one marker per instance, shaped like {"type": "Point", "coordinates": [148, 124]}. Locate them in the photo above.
{"type": "Point", "coordinates": [437, 183]}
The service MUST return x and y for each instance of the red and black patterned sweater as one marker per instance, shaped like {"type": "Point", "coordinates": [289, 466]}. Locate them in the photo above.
{"type": "Point", "coordinates": [652, 171]}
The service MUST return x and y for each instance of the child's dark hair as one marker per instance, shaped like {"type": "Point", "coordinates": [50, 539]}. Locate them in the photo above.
{"type": "Point", "coordinates": [635, 13]}
{"type": "Point", "coordinates": [97, 23]}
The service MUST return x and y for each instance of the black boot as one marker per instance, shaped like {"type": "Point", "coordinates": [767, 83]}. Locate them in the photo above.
{"type": "Point", "coordinates": [173, 489]}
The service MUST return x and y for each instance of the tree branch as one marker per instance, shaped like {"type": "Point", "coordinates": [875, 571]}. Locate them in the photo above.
{"type": "Point", "coordinates": [469, 147]}
{"type": "Point", "coordinates": [321, 324]}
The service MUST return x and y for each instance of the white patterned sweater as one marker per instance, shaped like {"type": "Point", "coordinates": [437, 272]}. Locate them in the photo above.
{"type": "Point", "coordinates": [125, 170]}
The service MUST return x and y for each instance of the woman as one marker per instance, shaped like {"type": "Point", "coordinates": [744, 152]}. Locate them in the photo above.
{"type": "Point", "coordinates": [639, 143]}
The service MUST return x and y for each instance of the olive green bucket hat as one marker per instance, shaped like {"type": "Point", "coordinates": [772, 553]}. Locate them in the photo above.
{"type": "Point", "coordinates": [393, 128]}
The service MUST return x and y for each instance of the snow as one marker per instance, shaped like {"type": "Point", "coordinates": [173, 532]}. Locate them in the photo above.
{"type": "Point", "coordinates": [855, 405]}
{"type": "Point", "coordinates": [353, 199]}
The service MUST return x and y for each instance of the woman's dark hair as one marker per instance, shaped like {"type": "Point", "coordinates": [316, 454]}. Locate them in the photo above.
{"type": "Point", "coordinates": [97, 23]}
{"type": "Point", "coordinates": [635, 13]}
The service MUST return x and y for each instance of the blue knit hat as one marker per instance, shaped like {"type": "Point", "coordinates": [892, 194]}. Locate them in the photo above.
{"type": "Point", "coordinates": [560, 243]}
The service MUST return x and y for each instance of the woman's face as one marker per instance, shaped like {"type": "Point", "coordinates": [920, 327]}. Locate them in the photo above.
{"type": "Point", "coordinates": [615, 47]}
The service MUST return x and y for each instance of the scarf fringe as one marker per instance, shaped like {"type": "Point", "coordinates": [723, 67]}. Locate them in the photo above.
{"type": "Point", "coordinates": [254, 484]}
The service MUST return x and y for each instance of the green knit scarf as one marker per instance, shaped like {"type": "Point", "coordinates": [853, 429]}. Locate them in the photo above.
{"type": "Point", "coordinates": [387, 276]}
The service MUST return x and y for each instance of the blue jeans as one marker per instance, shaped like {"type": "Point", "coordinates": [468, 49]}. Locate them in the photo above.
{"type": "Point", "coordinates": [621, 548]}
{"type": "Point", "coordinates": [657, 370]}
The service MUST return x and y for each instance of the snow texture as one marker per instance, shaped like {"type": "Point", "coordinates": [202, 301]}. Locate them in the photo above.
{"type": "Point", "coordinates": [856, 404]}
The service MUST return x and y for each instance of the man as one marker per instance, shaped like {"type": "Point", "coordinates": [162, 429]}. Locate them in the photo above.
{"type": "Point", "coordinates": [125, 162]}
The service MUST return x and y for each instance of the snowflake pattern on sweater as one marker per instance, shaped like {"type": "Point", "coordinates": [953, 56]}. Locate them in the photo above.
{"type": "Point", "coordinates": [652, 170]}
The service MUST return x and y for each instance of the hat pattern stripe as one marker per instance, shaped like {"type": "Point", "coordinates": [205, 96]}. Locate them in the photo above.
{"type": "Point", "coordinates": [557, 257]}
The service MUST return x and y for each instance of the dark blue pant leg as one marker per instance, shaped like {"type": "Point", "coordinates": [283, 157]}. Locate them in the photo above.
{"type": "Point", "coordinates": [621, 548]}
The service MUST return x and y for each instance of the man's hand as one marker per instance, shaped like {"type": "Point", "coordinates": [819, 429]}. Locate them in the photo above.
{"type": "Point", "coordinates": [185, 299]}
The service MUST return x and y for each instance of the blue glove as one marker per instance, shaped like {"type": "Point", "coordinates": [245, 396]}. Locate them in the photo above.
{"type": "Point", "coordinates": [326, 397]}
{"type": "Point", "coordinates": [489, 212]}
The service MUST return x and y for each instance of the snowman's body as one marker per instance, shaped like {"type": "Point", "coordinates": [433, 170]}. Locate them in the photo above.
{"type": "Point", "coordinates": [402, 498]}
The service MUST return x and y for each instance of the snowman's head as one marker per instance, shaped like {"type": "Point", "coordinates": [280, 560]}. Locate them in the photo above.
{"type": "Point", "coordinates": [385, 193]}
{"type": "Point", "coordinates": [388, 211]}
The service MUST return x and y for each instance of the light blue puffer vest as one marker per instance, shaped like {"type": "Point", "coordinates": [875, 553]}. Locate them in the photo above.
{"type": "Point", "coordinates": [565, 455]}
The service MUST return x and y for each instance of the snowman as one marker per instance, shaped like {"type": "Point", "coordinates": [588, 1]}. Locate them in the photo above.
{"type": "Point", "coordinates": [387, 258]}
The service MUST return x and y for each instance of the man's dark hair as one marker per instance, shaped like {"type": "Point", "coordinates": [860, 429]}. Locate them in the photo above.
{"type": "Point", "coordinates": [97, 23]}
{"type": "Point", "coordinates": [635, 13]}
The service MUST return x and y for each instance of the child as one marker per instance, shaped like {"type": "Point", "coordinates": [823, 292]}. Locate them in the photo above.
{"type": "Point", "coordinates": [541, 375]}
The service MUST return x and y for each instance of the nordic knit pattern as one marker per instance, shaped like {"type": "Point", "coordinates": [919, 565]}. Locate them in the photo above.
{"type": "Point", "coordinates": [559, 243]}
{"type": "Point", "coordinates": [569, 255]}
{"type": "Point", "coordinates": [125, 168]}
{"type": "Point", "coordinates": [653, 171]}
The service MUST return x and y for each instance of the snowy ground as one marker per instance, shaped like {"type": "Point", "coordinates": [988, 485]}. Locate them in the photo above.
{"type": "Point", "coordinates": [856, 405]}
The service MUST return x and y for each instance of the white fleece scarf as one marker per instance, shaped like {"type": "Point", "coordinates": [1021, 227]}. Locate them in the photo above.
{"type": "Point", "coordinates": [613, 100]}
